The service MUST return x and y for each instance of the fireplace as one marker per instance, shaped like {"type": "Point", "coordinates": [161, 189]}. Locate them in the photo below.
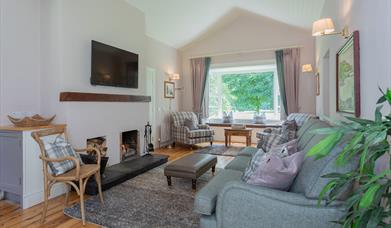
{"type": "Point", "coordinates": [130, 145]}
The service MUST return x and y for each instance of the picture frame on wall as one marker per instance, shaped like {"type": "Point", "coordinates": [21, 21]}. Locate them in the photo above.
{"type": "Point", "coordinates": [169, 89]}
{"type": "Point", "coordinates": [348, 76]}
{"type": "Point", "coordinates": [317, 78]}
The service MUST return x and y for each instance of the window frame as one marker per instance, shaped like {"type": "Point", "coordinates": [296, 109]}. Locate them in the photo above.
{"type": "Point", "coordinates": [217, 70]}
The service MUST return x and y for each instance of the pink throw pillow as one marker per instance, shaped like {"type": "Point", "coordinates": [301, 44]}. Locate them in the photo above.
{"type": "Point", "coordinates": [277, 172]}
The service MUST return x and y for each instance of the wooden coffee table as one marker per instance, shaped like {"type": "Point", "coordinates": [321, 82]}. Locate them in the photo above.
{"type": "Point", "coordinates": [228, 132]}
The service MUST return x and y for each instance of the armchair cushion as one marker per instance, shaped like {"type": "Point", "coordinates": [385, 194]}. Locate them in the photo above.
{"type": "Point", "coordinates": [200, 133]}
{"type": "Point", "coordinates": [191, 124]}
{"type": "Point", "coordinates": [60, 149]}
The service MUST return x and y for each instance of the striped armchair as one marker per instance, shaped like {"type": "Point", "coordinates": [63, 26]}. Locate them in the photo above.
{"type": "Point", "coordinates": [182, 134]}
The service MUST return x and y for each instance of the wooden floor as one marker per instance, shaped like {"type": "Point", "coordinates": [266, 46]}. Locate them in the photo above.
{"type": "Point", "coordinates": [12, 216]}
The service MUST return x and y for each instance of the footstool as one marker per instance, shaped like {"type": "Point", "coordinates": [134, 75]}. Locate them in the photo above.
{"type": "Point", "coordinates": [190, 167]}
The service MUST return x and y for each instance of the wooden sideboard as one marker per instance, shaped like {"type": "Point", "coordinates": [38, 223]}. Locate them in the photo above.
{"type": "Point", "coordinates": [21, 175]}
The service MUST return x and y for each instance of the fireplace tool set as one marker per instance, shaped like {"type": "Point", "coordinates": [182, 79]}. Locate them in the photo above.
{"type": "Point", "coordinates": [148, 139]}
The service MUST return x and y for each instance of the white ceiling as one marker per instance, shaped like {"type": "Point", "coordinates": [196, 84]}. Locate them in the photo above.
{"type": "Point", "coordinates": [178, 22]}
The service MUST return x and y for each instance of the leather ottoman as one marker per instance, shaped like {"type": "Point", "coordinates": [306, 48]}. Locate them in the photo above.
{"type": "Point", "coordinates": [190, 167]}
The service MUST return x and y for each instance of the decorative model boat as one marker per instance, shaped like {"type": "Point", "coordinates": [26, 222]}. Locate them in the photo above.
{"type": "Point", "coordinates": [31, 121]}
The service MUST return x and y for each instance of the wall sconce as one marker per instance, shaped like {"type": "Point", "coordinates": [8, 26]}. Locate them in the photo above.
{"type": "Point", "coordinates": [306, 68]}
{"type": "Point", "coordinates": [174, 77]}
{"type": "Point", "coordinates": [325, 26]}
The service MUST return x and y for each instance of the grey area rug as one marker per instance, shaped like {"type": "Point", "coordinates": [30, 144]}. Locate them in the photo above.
{"type": "Point", "coordinates": [221, 150]}
{"type": "Point", "coordinates": [144, 201]}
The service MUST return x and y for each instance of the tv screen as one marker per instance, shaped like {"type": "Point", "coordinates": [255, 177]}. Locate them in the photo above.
{"type": "Point", "coordinates": [111, 66]}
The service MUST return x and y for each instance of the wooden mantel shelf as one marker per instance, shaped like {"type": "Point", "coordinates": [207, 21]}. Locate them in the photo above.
{"type": "Point", "coordinates": [101, 97]}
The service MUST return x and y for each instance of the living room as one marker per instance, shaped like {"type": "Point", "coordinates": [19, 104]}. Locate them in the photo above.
{"type": "Point", "coordinates": [208, 92]}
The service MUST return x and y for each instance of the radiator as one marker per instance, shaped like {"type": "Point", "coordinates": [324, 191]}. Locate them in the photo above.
{"type": "Point", "coordinates": [165, 130]}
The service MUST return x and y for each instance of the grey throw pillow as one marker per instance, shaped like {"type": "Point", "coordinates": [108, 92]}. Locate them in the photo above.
{"type": "Point", "coordinates": [285, 149]}
{"type": "Point", "coordinates": [191, 124]}
{"type": "Point", "coordinates": [60, 149]}
{"type": "Point", "coordinates": [271, 141]}
{"type": "Point", "coordinates": [288, 129]}
{"type": "Point", "coordinates": [253, 165]}
{"type": "Point", "coordinates": [277, 172]}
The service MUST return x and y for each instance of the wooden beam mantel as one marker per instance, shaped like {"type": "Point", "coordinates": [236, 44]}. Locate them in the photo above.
{"type": "Point", "coordinates": [101, 97]}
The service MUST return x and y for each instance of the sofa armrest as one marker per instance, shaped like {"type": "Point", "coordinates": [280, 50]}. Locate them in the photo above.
{"type": "Point", "coordinates": [243, 205]}
{"type": "Point", "coordinates": [181, 129]}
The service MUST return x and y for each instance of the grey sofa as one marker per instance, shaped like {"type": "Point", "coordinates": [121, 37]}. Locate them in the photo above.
{"type": "Point", "coordinates": [227, 202]}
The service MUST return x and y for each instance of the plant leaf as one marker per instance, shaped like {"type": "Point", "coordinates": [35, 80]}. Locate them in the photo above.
{"type": "Point", "coordinates": [378, 115]}
{"type": "Point", "coordinates": [368, 196]}
{"type": "Point", "coordinates": [325, 190]}
{"type": "Point", "coordinates": [363, 157]}
{"type": "Point", "coordinates": [324, 147]}
{"type": "Point", "coordinates": [388, 96]}
{"type": "Point", "coordinates": [360, 121]}
{"type": "Point", "coordinates": [381, 100]}
{"type": "Point", "coordinates": [357, 138]}
{"type": "Point", "coordinates": [324, 131]}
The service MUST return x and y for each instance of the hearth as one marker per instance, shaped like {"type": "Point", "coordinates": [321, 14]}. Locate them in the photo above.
{"type": "Point", "coordinates": [130, 145]}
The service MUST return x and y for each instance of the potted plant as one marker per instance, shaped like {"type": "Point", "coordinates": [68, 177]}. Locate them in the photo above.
{"type": "Point", "coordinates": [260, 117]}
{"type": "Point", "coordinates": [369, 203]}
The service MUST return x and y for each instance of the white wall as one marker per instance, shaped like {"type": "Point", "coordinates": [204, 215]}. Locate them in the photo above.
{"type": "Point", "coordinates": [19, 57]}
{"type": "Point", "coordinates": [373, 20]}
{"type": "Point", "coordinates": [246, 32]}
{"type": "Point", "coordinates": [46, 49]}
{"type": "Point", "coordinates": [165, 61]}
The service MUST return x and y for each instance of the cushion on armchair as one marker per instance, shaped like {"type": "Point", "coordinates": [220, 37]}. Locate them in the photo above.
{"type": "Point", "coordinates": [191, 124]}
{"type": "Point", "coordinates": [60, 149]}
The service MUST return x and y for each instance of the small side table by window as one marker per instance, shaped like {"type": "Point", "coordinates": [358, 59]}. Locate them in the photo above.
{"type": "Point", "coordinates": [228, 132]}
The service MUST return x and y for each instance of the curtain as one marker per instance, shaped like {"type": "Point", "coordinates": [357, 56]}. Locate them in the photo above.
{"type": "Point", "coordinates": [199, 70]}
{"type": "Point", "coordinates": [281, 81]}
{"type": "Point", "coordinates": [292, 76]}
{"type": "Point", "coordinates": [288, 69]}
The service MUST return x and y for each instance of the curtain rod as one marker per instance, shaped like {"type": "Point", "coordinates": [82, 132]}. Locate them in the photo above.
{"type": "Point", "coordinates": [244, 51]}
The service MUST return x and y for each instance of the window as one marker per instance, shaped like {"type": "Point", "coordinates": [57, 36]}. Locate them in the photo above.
{"type": "Point", "coordinates": [245, 91]}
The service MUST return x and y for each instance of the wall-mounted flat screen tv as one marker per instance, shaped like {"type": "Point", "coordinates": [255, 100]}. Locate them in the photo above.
{"type": "Point", "coordinates": [111, 66]}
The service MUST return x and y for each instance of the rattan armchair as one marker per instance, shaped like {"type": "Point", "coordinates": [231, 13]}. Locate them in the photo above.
{"type": "Point", "coordinates": [80, 174]}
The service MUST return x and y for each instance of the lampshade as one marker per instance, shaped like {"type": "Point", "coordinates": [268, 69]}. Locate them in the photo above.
{"type": "Point", "coordinates": [322, 27]}
{"type": "Point", "coordinates": [175, 76]}
{"type": "Point", "coordinates": [307, 68]}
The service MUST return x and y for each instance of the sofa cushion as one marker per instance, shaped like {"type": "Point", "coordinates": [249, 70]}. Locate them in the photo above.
{"type": "Point", "coordinates": [253, 165]}
{"type": "Point", "coordinates": [273, 140]}
{"type": "Point", "coordinates": [240, 163]}
{"type": "Point", "coordinates": [288, 129]}
{"type": "Point", "coordinates": [205, 199]}
{"type": "Point", "coordinates": [309, 180]}
{"type": "Point", "coordinates": [248, 151]}
{"type": "Point", "coordinates": [275, 171]}
{"type": "Point", "coordinates": [200, 133]}
{"type": "Point", "coordinates": [300, 118]}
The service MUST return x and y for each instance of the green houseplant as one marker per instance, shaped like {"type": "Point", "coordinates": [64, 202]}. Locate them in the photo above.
{"type": "Point", "coordinates": [369, 203]}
